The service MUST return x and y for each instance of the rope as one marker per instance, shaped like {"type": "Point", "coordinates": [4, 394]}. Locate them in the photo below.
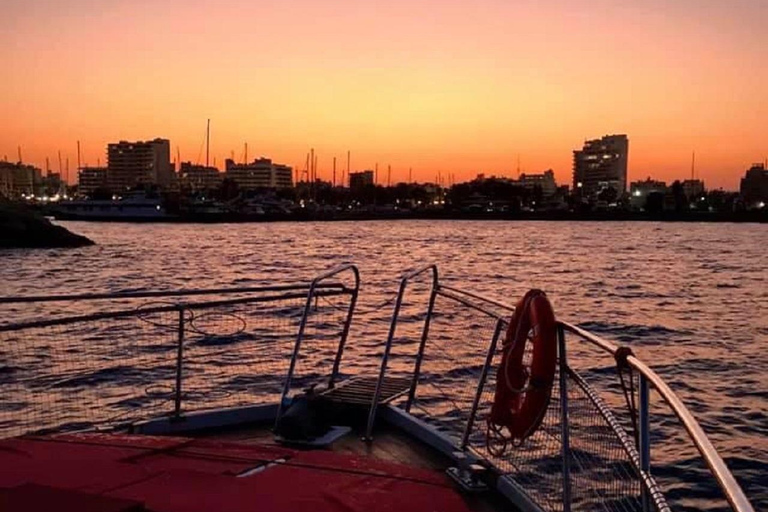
{"type": "Point", "coordinates": [160, 394]}
{"type": "Point", "coordinates": [189, 320]}
{"type": "Point", "coordinates": [171, 326]}
{"type": "Point", "coordinates": [239, 330]}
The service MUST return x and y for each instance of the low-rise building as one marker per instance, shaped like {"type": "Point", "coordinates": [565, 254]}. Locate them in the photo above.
{"type": "Point", "coordinates": [544, 181]}
{"type": "Point", "coordinates": [6, 181]}
{"type": "Point", "coordinates": [91, 179]}
{"type": "Point", "coordinates": [18, 179]}
{"type": "Point", "coordinates": [199, 177]}
{"type": "Point", "coordinates": [52, 184]}
{"type": "Point", "coordinates": [261, 173]}
{"type": "Point", "coordinates": [358, 180]}
{"type": "Point", "coordinates": [640, 191]}
{"type": "Point", "coordinates": [693, 189]}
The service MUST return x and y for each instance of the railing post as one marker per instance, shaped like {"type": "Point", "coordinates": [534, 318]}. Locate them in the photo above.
{"type": "Point", "coordinates": [645, 436]}
{"type": "Point", "coordinates": [302, 326]}
{"type": "Point", "coordinates": [179, 364]}
{"type": "Point", "coordinates": [481, 383]}
{"type": "Point", "coordinates": [382, 372]}
{"type": "Point", "coordinates": [295, 355]}
{"type": "Point", "coordinates": [424, 336]}
{"type": "Point", "coordinates": [345, 331]}
{"type": "Point", "coordinates": [566, 445]}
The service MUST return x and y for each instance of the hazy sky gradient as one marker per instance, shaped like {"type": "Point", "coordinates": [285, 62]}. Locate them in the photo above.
{"type": "Point", "coordinates": [452, 86]}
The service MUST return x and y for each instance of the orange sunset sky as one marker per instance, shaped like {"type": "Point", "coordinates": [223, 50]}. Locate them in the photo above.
{"type": "Point", "coordinates": [459, 87]}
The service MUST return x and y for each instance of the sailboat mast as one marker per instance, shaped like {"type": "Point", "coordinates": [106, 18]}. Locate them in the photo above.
{"type": "Point", "coordinates": [314, 178]}
{"type": "Point", "coordinates": [693, 165]}
{"type": "Point", "coordinates": [347, 178]}
{"type": "Point", "coordinates": [312, 165]}
{"type": "Point", "coordinates": [207, 142]}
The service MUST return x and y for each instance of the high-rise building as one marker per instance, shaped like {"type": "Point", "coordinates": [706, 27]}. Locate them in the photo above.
{"type": "Point", "coordinates": [261, 173]}
{"type": "Point", "coordinates": [599, 165]}
{"type": "Point", "coordinates": [754, 186]}
{"type": "Point", "coordinates": [358, 180]}
{"type": "Point", "coordinates": [139, 163]}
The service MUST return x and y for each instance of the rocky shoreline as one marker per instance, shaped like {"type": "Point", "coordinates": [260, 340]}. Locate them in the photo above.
{"type": "Point", "coordinates": [21, 228]}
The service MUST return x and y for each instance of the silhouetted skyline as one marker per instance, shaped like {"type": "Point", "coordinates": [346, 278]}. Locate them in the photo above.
{"type": "Point", "coordinates": [436, 86]}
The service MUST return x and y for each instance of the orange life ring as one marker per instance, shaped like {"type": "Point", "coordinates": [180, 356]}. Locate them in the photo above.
{"type": "Point", "coordinates": [524, 382]}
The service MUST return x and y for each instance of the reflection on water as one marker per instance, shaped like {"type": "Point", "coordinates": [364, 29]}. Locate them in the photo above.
{"type": "Point", "coordinates": [691, 299]}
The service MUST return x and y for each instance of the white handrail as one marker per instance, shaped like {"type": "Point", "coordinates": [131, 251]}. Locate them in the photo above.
{"type": "Point", "coordinates": [725, 479]}
{"type": "Point", "coordinates": [733, 492]}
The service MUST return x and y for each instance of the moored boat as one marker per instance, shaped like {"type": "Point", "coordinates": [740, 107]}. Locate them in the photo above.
{"type": "Point", "coordinates": [134, 207]}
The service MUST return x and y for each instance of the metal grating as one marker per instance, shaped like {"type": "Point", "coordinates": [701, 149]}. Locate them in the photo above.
{"type": "Point", "coordinates": [360, 390]}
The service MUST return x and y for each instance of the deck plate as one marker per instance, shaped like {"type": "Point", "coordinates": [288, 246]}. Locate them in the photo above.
{"type": "Point", "coordinates": [360, 390]}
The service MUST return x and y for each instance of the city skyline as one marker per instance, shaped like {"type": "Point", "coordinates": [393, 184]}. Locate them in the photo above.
{"type": "Point", "coordinates": [436, 87]}
{"type": "Point", "coordinates": [70, 175]}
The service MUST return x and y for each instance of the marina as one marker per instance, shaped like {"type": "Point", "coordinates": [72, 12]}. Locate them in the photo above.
{"type": "Point", "coordinates": [432, 256]}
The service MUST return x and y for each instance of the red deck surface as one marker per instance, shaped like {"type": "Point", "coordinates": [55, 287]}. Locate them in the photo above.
{"type": "Point", "coordinates": [163, 474]}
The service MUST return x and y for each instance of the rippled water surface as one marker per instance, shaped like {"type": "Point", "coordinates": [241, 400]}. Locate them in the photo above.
{"type": "Point", "coordinates": [690, 299]}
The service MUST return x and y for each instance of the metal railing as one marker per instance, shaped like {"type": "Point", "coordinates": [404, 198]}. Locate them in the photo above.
{"type": "Point", "coordinates": [637, 452]}
{"type": "Point", "coordinates": [312, 295]}
{"type": "Point", "coordinates": [650, 379]}
{"type": "Point", "coordinates": [407, 278]}
{"type": "Point", "coordinates": [125, 364]}
{"type": "Point", "coordinates": [159, 293]}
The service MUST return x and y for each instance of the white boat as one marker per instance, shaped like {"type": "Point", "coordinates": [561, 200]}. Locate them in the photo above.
{"type": "Point", "coordinates": [133, 206]}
